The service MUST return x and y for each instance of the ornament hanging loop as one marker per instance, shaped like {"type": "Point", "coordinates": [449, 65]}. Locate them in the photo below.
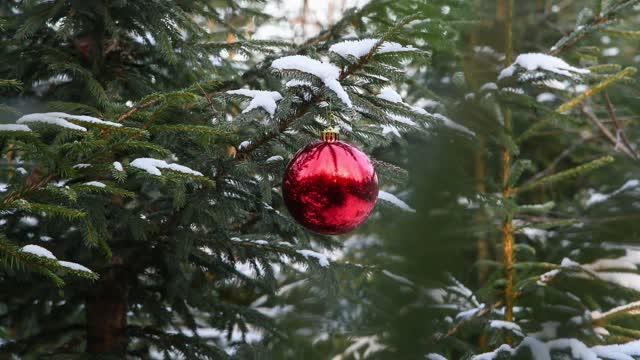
{"type": "Point", "coordinates": [330, 134]}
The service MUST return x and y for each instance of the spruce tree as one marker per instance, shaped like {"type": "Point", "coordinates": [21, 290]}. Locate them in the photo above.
{"type": "Point", "coordinates": [144, 145]}
{"type": "Point", "coordinates": [141, 202]}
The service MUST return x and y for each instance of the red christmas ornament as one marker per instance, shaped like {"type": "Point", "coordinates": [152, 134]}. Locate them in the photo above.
{"type": "Point", "coordinates": [330, 187]}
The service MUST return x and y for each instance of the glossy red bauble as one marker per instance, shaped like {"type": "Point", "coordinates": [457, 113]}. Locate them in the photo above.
{"type": "Point", "coordinates": [330, 187]}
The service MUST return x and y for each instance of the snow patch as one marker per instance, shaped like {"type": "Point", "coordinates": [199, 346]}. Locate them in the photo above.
{"type": "Point", "coordinates": [14, 127]}
{"type": "Point", "coordinates": [545, 97]}
{"type": "Point", "coordinates": [60, 119]}
{"type": "Point", "coordinates": [83, 118]}
{"type": "Point", "coordinates": [385, 196]}
{"type": "Point", "coordinates": [322, 259]}
{"type": "Point", "coordinates": [453, 125]}
{"type": "Point", "coordinates": [489, 86]}
{"type": "Point", "coordinates": [390, 95]}
{"type": "Point", "coordinates": [74, 266]}
{"type": "Point", "coordinates": [506, 325]}
{"type": "Point", "coordinates": [96, 184]}
{"type": "Point", "coordinates": [596, 198]}
{"type": "Point", "coordinates": [612, 51]}
{"type": "Point", "coordinates": [535, 61]}
{"type": "Point", "coordinates": [274, 158]}
{"type": "Point", "coordinates": [398, 278]}
{"type": "Point", "coordinates": [38, 251]}
{"type": "Point", "coordinates": [153, 166]}
{"type": "Point", "coordinates": [434, 356]}
{"type": "Point", "coordinates": [259, 99]}
{"type": "Point", "coordinates": [371, 343]}
{"type": "Point", "coordinates": [362, 47]}
{"type": "Point", "coordinates": [296, 82]}
{"type": "Point", "coordinates": [47, 119]}
{"type": "Point", "coordinates": [327, 72]}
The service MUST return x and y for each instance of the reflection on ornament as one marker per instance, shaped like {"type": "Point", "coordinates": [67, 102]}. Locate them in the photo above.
{"type": "Point", "coordinates": [330, 187]}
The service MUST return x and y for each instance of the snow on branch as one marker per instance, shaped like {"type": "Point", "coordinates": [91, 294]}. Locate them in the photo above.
{"type": "Point", "coordinates": [596, 198]}
{"type": "Point", "coordinates": [42, 252]}
{"type": "Point", "coordinates": [506, 325]}
{"type": "Point", "coordinates": [391, 95]}
{"type": "Point", "coordinates": [539, 61]}
{"type": "Point", "coordinates": [398, 278]}
{"type": "Point", "coordinates": [153, 166]}
{"type": "Point", "coordinates": [96, 184]}
{"type": "Point", "coordinates": [83, 118]}
{"type": "Point", "coordinates": [327, 72]}
{"type": "Point", "coordinates": [48, 119]}
{"type": "Point", "coordinates": [453, 125]}
{"type": "Point", "coordinates": [360, 48]}
{"type": "Point", "coordinates": [14, 127]}
{"type": "Point", "coordinates": [259, 99]}
{"type": "Point", "coordinates": [274, 158]}
{"type": "Point", "coordinates": [296, 82]}
{"type": "Point", "coordinates": [607, 269]}
{"type": "Point", "coordinates": [577, 350]}
{"type": "Point", "coordinates": [630, 307]}
{"type": "Point", "coordinates": [322, 259]}
{"type": "Point", "coordinates": [370, 345]}
{"type": "Point", "coordinates": [74, 266]}
{"type": "Point", "coordinates": [434, 356]}
{"type": "Point", "coordinates": [385, 196]}
{"type": "Point", "coordinates": [38, 251]}
{"type": "Point", "coordinates": [60, 119]}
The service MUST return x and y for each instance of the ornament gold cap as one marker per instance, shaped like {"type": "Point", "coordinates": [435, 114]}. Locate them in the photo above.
{"type": "Point", "coordinates": [330, 134]}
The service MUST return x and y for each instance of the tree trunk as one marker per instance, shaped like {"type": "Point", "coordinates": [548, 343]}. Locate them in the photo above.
{"type": "Point", "coordinates": [107, 313]}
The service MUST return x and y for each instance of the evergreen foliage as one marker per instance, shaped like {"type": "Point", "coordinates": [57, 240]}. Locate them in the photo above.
{"type": "Point", "coordinates": [131, 157]}
{"type": "Point", "coordinates": [147, 142]}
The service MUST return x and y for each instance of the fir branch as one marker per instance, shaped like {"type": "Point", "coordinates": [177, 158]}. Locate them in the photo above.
{"type": "Point", "coordinates": [140, 106]}
{"type": "Point", "coordinates": [10, 253]}
{"type": "Point", "coordinates": [284, 125]}
{"type": "Point", "coordinates": [596, 89]}
{"type": "Point", "coordinates": [187, 345]}
{"type": "Point", "coordinates": [632, 333]}
{"type": "Point", "coordinates": [592, 165]}
{"type": "Point", "coordinates": [11, 197]}
{"type": "Point", "coordinates": [602, 318]}
{"type": "Point", "coordinates": [631, 35]}
{"type": "Point", "coordinates": [536, 208]}
{"type": "Point", "coordinates": [53, 210]}
{"type": "Point", "coordinates": [11, 84]}
{"type": "Point", "coordinates": [457, 326]}
{"type": "Point", "coordinates": [600, 20]}
{"type": "Point", "coordinates": [548, 224]}
{"type": "Point", "coordinates": [367, 58]}
{"type": "Point", "coordinates": [195, 129]}
{"type": "Point", "coordinates": [105, 190]}
{"type": "Point", "coordinates": [622, 75]}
